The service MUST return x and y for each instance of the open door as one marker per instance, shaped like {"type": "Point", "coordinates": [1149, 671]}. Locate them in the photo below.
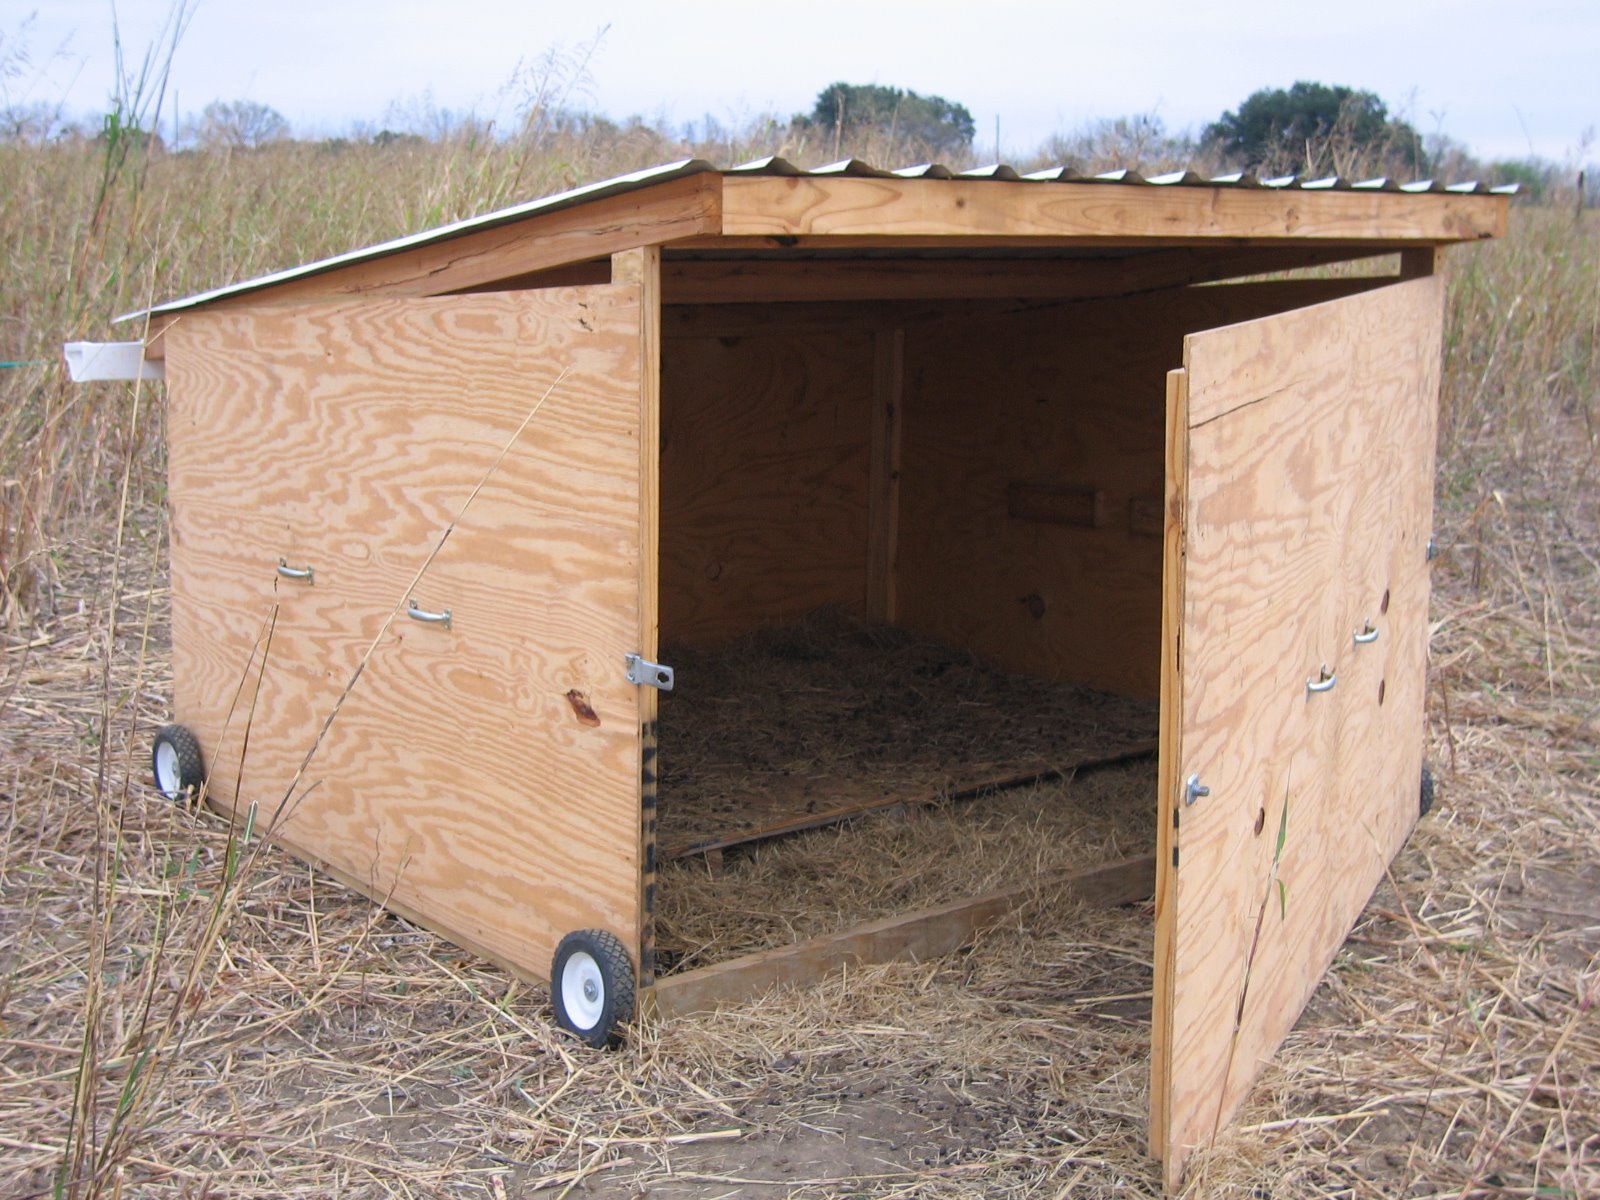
{"type": "Point", "coordinates": [483, 772]}
{"type": "Point", "coordinates": [1300, 470]}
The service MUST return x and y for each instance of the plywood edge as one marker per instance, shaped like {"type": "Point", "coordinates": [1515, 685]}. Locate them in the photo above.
{"type": "Point", "coordinates": [1169, 771]}
{"type": "Point", "coordinates": [641, 267]}
{"type": "Point", "coordinates": [927, 933]}
{"type": "Point", "coordinates": [855, 207]}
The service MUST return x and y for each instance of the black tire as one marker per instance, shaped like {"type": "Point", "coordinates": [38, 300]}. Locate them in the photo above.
{"type": "Point", "coordinates": [175, 763]}
{"type": "Point", "coordinates": [1426, 800]}
{"type": "Point", "coordinates": [591, 984]}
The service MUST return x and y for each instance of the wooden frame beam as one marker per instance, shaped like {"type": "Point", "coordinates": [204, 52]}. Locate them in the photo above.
{"type": "Point", "coordinates": [919, 935]}
{"type": "Point", "coordinates": [853, 208]}
{"type": "Point", "coordinates": [770, 278]}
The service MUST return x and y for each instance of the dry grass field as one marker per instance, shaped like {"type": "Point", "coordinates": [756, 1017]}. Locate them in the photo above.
{"type": "Point", "coordinates": [184, 1013]}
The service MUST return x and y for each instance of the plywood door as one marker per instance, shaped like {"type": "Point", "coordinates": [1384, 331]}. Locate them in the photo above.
{"type": "Point", "coordinates": [1300, 455]}
{"type": "Point", "coordinates": [483, 778]}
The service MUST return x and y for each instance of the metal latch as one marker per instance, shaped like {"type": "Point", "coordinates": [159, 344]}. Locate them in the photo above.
{"type": "Point", "coordinates": [1194, 790]}
{"type": "Point", "coordinates": [649, 674]}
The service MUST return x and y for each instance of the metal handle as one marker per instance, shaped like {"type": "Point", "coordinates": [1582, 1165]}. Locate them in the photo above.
{"type": "Point", "coordinates": [288, 572]}
{"type": "Point", "coordinates": [1323, 682]}
{"type": "Point", "coordinates": [1366, 635]}
{"type": "Point", "coordinates": [428, 618]}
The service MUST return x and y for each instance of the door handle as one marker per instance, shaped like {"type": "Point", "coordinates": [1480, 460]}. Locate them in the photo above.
{"type": "Point", "coordinates": [306, 573]}
{"type": "Point", "coordinates": [417, 613]}
{"type": "Point", "coordinates": [1366, 635]}
{"type": "Point", "coordinates": [1323, 682]}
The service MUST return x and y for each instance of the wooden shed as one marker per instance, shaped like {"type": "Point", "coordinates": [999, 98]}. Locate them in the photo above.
{"type": "Point", "coordinates": [1106, 432]}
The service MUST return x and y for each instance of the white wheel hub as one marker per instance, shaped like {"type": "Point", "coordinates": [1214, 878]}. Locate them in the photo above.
{"type": "Point", "coordinates": [583, 990]}
{"type": "Point", "coordinates": [168, 777]}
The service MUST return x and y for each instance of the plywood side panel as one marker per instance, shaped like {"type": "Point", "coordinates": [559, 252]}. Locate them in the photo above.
{"type": "Point", "coordinates": [485, 775]}
{"type": "Point", "coordinates": [1307, 509]}
{"type": "Point", "coordinates": [764, 479]}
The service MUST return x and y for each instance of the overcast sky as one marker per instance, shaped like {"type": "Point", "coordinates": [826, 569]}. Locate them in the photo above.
{"type": "Point", "coordinates": [1508, 79]}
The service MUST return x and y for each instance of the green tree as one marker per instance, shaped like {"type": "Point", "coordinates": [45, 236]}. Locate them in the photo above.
{"type": "Point", "coordinates": [1314, 128]}
{"type": "Point", "coordinates": [850, 110]}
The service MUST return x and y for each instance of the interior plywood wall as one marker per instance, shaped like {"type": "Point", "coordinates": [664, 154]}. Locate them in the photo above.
{"type": "Point", "coordinates": [764, 478]}
{"type": "Point", "coordinates": [1030, 481]}
{"type": "Point", "coordinates": [1032, 477]}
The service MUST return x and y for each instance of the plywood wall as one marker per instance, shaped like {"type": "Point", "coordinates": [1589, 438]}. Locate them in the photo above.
{"type": "Point", "coordinates": [483, 778]}
{"type": "Point", "coordinates": [1033, 476]}
{"type": "Point", "coordinates": [764, 478]}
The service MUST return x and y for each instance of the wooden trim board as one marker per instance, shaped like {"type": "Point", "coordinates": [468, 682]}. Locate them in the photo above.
{"type": "Point", "coordinates": [856, 208]}
{"type": "Point", "coordinates": [771, 276]}
{"type": "Point", "coordinates": [1169, 806]}
{"type": "Point", "coordinates": [924, 934]}
{"type": "Point", "coordinates": [641, 268]}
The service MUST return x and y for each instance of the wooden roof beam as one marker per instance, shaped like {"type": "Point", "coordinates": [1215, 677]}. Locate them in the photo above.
{"type": "Point", "coordinates": [843, 210]}
{"type": "Point", "coordinates": [758, 280]}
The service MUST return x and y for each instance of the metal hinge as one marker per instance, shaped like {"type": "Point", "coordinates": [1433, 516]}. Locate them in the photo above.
{"type": "Point", "coordinates": [649, 674]}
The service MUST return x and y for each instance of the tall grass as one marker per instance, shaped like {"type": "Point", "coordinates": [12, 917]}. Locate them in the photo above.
{"type": "Point", "coordinates": [95, 228]}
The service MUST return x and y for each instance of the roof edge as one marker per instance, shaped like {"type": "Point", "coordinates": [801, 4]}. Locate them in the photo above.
{"type": "Point", "coordinates": [504, 216]}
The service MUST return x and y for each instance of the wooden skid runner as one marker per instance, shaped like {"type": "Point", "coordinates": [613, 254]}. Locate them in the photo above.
{"type": "Point", "coordinates": [918, 935]}
{"type": "Point", "coordinates": [796, 727]}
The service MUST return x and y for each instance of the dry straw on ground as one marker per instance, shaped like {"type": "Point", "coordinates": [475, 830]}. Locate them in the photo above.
{"type": "Point", "coordinates": [310, 1045]}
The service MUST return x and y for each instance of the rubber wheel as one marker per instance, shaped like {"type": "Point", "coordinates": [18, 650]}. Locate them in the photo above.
{"type": "Point", "coordinates": [591, 982]}
{"type": "Point", "coordinates": [1427, 789]}
{"type": "Point", "coordinates": [176, 763]}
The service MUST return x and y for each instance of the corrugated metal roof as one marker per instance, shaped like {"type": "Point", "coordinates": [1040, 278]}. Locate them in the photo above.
{"type": "Point", "coordinates": [851, 167]}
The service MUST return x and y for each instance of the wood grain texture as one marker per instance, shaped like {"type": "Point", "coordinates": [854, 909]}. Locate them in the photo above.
{"type": "Point", "coordinates": [1067, 397]}
{"type": "Point", "coordinates": [919, 935]}
{"type": "Point", "coordinates": [461, 779]}
{"type": "Point", "coordinates": [641, 268]}
{"type": "Point", "coordinates": [861, 208]}
{"type": "Point", "coordinates": [764, 480]}
{"type": "Point", "coordinates": [1306, 514]}
{"type": "Point", "coordinates": [1169, 785]}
